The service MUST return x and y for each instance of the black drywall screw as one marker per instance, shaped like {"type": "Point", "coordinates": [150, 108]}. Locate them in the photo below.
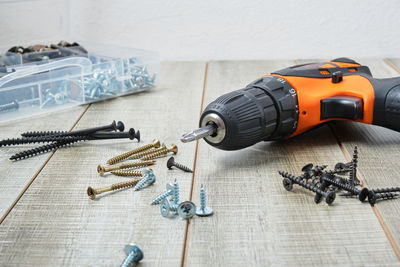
{"type": "Point", "coordinates": [10, 106]}
{"type": "Point", "coordinates": [38, 139]}
{"type": "Point", "coordinates": [289, 179]}
{"type": "Point", "coordinates": [131, 134]}
{"type": "Point", "coordinates": [322, 186]}
{"type": "Point", "coordinates": [349, 188]}
{"type": "Point", "coordinates": [43, 149]}
{"type": "Point", "coordinates": [373, 197]}
{"type": "Point", "coordinates": [171, 162]}
{"type": "Point", "coordinates": [111, 127]}
{"type": "Point", "coordinates": [42, 133]}
{"type": "Point", "coordinates": [353, 167]}
{"type": "Point", "coordinates": [386, 190]}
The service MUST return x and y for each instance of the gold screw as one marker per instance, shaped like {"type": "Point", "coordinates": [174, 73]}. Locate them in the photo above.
{"type": "Point", "coordinates": [93, 192]}
{"type": "Point", "coordinates": [127, 173]}
{"type": "Point", "coordinates": [102, 169]}
{"type": "Point", "coordinates": [155, 144]}
{"type": "Point", "coordinates": [147, 152]}
{"type": "Point", "coordinates": [161, 152]}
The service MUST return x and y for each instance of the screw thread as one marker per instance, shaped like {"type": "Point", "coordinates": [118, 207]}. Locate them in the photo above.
{"type": "Point", "coordinates": [129, 260]}
{"type": "Point", "coordinates": [176, 193]}
{"type": "Point", "coordinates": [42, 133]}
{"type": "Point", "coordinates": [125, 184]}
{"type": "Point", "coordinates": [161, 152]}
{"type": "Point", "coordinates": [346, 187]}
{"type": "Point", "coordinates": [145, 153]}
{"type": "Point", "coordinates": [40, 139]}
{"type": "Point", "coordinates": [42, 149]}
{"type": "Point", "coordinates": [299, 181]}
{"type": "Point", "coordinates": [182, 167]}
{"type": "Point", "coordinates": [161, 197]}
{"type": "Point", "coordinates": [141, 183]}
{"type": "Point", "coordinates": [203, 198]}
{"type": "Point", "coordinates": [386, 190]}
{"type": "Point", "coordinates": [129, 153]}
{"type": "Point", "coordinates": [386, 195]}
{"type": "Point", "coordinates": [127, 173]}
{"type": "Point", "coordinates": [353, 167]}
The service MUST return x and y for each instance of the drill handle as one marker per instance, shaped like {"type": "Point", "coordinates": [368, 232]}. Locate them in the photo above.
{"type": "Point", "coordinates": [387, 103]}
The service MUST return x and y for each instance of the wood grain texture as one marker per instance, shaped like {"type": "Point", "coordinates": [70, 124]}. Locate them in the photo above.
{"type": "Point", "coordinates": [256, 222]}
{"type": "Point", "coordinates": [14, 176]}
{"type": "Point", "coordinates": [55, 223]}
{"type": "Point", "coordinates": [378, 154]}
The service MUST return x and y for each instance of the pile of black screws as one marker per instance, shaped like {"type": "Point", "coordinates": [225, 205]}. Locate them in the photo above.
{"type": "Point", "coordinates": [325, 183]}
{"type": "Point", "coordinates": [59, 139]}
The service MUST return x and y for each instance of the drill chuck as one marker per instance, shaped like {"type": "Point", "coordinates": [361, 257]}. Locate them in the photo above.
{"type": "Point", "coordinates": [265, 110]}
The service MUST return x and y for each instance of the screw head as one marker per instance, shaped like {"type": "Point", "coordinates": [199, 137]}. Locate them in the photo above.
{"type": "Point", "coordinates": [170, 162]}
{"type": "Point", "coordinates": [187, 209]}
{"type": "Point", "coordinates": [166, 210]}
{"type": "Point", "coordinates": [156, 143]}
{"type": "Point", "coordinates": [207, 211]}
{"type": "Point", "coordinates": [287, 184]}
{"type": "Point", "coordinates": [307, 168]}
{"type": "Point", "coordinates": [330, 197]}
{"type": "Point", "coordinates": [91, 192]}
{"type": "Point", "coordinates": [174, 148]}
{"type": "Point", "coordinates": [363, 194]}
{"type": "Point", "coordinates": [138, 252]}
{"type": "Point", "coordinates": [120, 126]}
{"type": "Point", "coordinates": [371, 197]}
{"type": "Point", "coordinates": [100, 170]}
{"type": "Point", "coordinates": [170, 187]}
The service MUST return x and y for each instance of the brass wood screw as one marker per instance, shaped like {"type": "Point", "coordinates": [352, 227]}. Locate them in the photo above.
{"type": "Point", "coordinates": [147, 152]}
{"type": "Point", "coordinates": [162, 152]}
{"type": "Point", "coordinates": [93, 192]}
{"type": "Point", "coordinates": [127, 173]}
{"type": "Point", "coordinates": [155, 144]}
{"type": "Point", "coordinates": [102, 169]}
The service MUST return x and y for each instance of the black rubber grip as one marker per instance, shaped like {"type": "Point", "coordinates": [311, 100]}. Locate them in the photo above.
{"type": "Point", "coordinates": [387, 103]}
{"type": "Point", "coordinates": [265, 110]}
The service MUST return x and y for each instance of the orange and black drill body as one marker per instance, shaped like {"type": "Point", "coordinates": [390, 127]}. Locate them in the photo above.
{"type": "Point", "coordinates": [291, 101]}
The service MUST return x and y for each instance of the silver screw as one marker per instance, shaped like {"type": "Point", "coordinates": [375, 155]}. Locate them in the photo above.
{"type": "Point", "coordinates": [203, 210]}
{"type": "Point", "coordinates": [167, 209]}
{"type": "Point", "coordinates": [161, 197]}
{"type": "Point", "coordinates": [133, 254]}
{"type": "Point", "coordinates": [176, 193]}
{"type": "Point", "coordinates": [148, 178]}
{"type": "Point", "coordinates": [187, 209]}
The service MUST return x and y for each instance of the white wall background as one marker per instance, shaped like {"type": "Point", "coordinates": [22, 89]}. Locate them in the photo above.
{"type": "Point", "coordinates": [224, 29]}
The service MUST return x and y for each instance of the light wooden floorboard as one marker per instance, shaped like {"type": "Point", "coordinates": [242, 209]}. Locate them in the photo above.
{"type": "Point", "coordinates": [256, 221]}
{"type": "Point", "coordinates": [15, 176]}
{"type": "Point", "coordinates": [55, 223]}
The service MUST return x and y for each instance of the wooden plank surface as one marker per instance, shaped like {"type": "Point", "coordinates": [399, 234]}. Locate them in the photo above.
{"type": "Point", "coordinates": [378, 154]}
{"type": "Point", "coordinates": [55, 223]}
{"type": "Point", "coordinates": [15, 176]}
{"type": "Point", "coordinates": [256, 221]}
{"type": "Point", "coordinates": [259, 223]}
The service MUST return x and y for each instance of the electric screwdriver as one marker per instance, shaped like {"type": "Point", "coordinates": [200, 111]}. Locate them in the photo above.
{"type": "Point", "coordinates": [293, 100]}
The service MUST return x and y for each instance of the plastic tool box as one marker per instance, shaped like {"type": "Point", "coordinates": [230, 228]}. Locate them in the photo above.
{"type": "Point", "coordinates": [40, 82]}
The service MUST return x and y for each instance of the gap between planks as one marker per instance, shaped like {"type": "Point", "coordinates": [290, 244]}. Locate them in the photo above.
{"type": "Point", "coordinates": [185, 242]}
{"type": "Point", "coordinates": [36, 174]}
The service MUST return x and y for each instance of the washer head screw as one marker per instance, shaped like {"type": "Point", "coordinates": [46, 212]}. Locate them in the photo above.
{"type": "Point", "coordinates": [186, 210]}
{"type": "Point", "coordinates": [171, 163]}
{"type": "Point", "coordinates": [148, 178]}
{"type": "Point", "coordinates": [203, 210]}
{"type": "Point", "coordinates": [133, 254]}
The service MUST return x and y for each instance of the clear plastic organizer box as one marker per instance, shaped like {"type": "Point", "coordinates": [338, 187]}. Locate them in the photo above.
{"type": "Point", "coordinates": [37, 83]}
